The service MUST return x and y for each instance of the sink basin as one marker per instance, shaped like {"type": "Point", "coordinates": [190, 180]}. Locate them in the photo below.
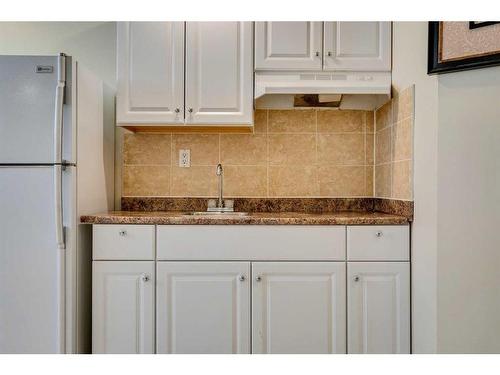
{"type": "Point", "coordinates": [216, 213]}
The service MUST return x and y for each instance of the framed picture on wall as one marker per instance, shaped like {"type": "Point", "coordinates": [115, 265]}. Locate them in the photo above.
{"type": "Point", "coordinates": [455, 46]}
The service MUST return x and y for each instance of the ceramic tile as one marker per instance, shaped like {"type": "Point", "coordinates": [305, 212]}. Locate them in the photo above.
{"type": "Point", "coordinates": [292, 121]}
{"type": "Point", "coordinates": [384, 116]}
{"type": "Point", "coordinates": [146, 180]}
{"type": "Point", "coordinates": [341, 181]}
{"type": "Point", "coordinates": [369, 122]}
{"type": "Point", "coordinates": [402, 139]}
{"type": "Point", "coordinates": [369, 181]}
{"type": "Point", "coordinates": [151, 149]}
{"type": "Point", "coordinates": [337, 121]}
{"type": "Point", "coordinates": [243, 149]}
{"type": "Point", "coordinates": [383, 145]}
{"type": "Point", "coordinates": [260, 121]}
{"type": "Point", "coordinates": [197, 181]}
{"type": "Point", "coordinates": [341, 149]}
{"type": "Point", "coordinates": [244, 181]}
{"type": "Point", "coordinates": [293, 181]}
{"type": "Point", "coordinates": [292, 149]}
{"type": "Point", "coordinates": [401, 180]}
{"type": "Point", "coordinates": [369, 146]}
{"type": "Point", "coordinates": [403, 105]}
{"type": "Point", "coordinates": [383, 180]}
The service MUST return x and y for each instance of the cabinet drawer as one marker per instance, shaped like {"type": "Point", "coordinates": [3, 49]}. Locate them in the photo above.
{"type": "Point", "coordinates": [250, 242]}
{"type": "Point", "coordinates": [123, 242]}
{"type": "Point", "coordinates": [384, 242]}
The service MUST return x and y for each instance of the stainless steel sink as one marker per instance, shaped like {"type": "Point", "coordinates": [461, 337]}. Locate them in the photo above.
{"type": "Point", "coordinates": [216, 213]}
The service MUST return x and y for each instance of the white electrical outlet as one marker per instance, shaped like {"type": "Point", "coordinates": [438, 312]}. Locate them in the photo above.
{"type": "Point", "coordinates": [185, 158]}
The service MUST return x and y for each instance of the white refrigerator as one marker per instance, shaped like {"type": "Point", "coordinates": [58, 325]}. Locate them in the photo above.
{"type": "Point", "coordinates": [56, 163]}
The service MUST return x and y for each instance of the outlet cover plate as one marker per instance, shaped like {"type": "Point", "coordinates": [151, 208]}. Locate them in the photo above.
{"type": "Point", "coordinates": [185, 158]}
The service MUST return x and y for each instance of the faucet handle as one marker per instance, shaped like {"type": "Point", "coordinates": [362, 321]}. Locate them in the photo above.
{"type": "Point", "coordinates": [229, 204]}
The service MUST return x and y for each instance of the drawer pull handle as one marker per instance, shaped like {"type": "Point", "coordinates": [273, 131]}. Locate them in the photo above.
{"type": "Point", "coordinates": [378, 234]}
{"type": "Point", "coordinates": [258, 279]}
{"type": "Point", "coordinates": [356, 278]}
{"type": "Point", "coordinates": [122, 233]}
{"type": "Point", "coordinates": [241, 278]}
{"type": "Point", "coordinates": [145, 278]}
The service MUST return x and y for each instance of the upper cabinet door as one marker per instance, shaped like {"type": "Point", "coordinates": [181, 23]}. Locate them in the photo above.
{"type": "Point", "coordinates": [203, 307]}
{"type": "Point", "coordinates": [378, 306]}
{"type": "Point", "coordinates": [288, 45]}
{"type": "Point", "coordinates": [357, 46]}
{"type": "Point", "coordinates": [219, 73]}
{"type": "Point", "coordinates": [298, 307]}
{"type": "Point", "coordinates": [150, 72]}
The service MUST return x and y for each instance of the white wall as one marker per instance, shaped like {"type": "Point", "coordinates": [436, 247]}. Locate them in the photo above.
{"type": "Point", "coordinates": [91, 43]}
{"type": "Point", "coordinates": [469, 212]}
{"type": "Point", "coordinates": [410, 67]}
{"type": "Point", "coordinates": [455, 236]}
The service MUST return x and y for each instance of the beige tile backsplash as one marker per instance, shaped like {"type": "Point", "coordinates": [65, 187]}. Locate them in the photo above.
{"type": "Point", "coordinates": [394, 147]}
{"type": "Point", "coordinates": [292, 153]}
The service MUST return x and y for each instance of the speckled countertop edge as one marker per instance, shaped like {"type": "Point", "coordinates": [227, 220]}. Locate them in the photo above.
{"type": "Point", "coordinates": [257, 218]}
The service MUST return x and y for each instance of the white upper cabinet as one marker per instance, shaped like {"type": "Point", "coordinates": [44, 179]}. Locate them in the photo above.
{"type": "Point", "coordinates": [203, 307]}
{"type": "Point", "coordinates": [219, 73]}
{"type": "Point", "coordinates": [357, 46]}
{"type": "Point", "coordinates": [288, 45]}
{"type": "Point", "coordinates": [329, 46]}
{"type": "Point", "coordinates": [123, 307]}
{"type": "Point", "coordinates": [150, 72]}
{"type": "Point", "coordinates": [378, 307]}
{"type": "Point", "coordinates": [298, 307]}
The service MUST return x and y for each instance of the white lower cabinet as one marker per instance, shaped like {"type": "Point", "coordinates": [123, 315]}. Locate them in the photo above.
{"type": "Point", "coordinates": [298, 307]}
{"type": "Point", "coordinates": [378, 307]}
{"type": "Point", "coordinates": [123, 307]}
{"type": "Point", "coordinates": [261, 289]}
{"type": "Point", "coordinates": [203, 307]}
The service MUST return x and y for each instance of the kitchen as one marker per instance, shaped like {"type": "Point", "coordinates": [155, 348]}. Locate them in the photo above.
{"type": "Point", "coordinates": [212, 183]}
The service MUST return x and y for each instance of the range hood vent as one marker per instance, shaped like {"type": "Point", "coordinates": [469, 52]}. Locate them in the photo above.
{"type": "Point", "coordinates": [370, 83]}
{"type": "Point", "coordinates": [317, 100]}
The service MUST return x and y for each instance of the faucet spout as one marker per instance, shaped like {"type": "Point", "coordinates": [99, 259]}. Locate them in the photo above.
{"type": "Point", "coordinates": [220, 173]}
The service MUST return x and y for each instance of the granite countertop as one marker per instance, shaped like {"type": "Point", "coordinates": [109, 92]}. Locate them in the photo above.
{"type": "Point", "coordinates": [256, 218]}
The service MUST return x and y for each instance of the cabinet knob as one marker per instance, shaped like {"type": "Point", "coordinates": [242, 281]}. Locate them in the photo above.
{"type": "Point", "coordinates": [122, 233]}
{"type": "Point", "coordinates": [177, 110]}
{"type": "Point", "coordinates": [379, 234]}
{"type": "Point", "coordinates": [356, 278]}
{"type": "Point", "coordinates": [190, 110]}
{"type": "Point", "coordinates": [258, 278]}
{"type": "Point", "coordinates": [329, 53]}
{"type": "Point", "coordinates": [145, 278]}
{"type": "Point", "coordinates": [241, 278]}
{"type": "Point", "coordinates": [317, 53]}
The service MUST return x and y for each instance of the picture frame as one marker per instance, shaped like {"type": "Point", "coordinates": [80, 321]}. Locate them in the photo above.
{"type": "Point", "coordinates": [437, 65]}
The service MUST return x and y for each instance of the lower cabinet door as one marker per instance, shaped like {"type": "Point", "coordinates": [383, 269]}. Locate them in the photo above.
{"type": "Point", "coordinates": [378, 298]}
{"type": "Point", "coordinates": [203, 307]}
{"type": "Point", "coordinates": [298, 307]}
{"type": "Point", "coordinates": [123, 307]}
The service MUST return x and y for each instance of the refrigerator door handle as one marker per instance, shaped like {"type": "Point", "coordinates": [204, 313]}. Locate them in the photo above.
{"type": "Point", "coordinates": [58, 206]}
{"type": "Point", "coordinates": [58, 115]}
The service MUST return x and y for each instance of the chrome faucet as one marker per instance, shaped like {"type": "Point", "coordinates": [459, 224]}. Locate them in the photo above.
{"type": "Point", "coordinates": [219, 172]}
{"type": "Point", "coordinates": [219, 204]}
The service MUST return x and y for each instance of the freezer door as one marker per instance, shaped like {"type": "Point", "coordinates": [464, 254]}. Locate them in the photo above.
{"type": "Point", "coordinates": [27, 109]}
{"type": "Point", "coordinates": [31, 264]}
